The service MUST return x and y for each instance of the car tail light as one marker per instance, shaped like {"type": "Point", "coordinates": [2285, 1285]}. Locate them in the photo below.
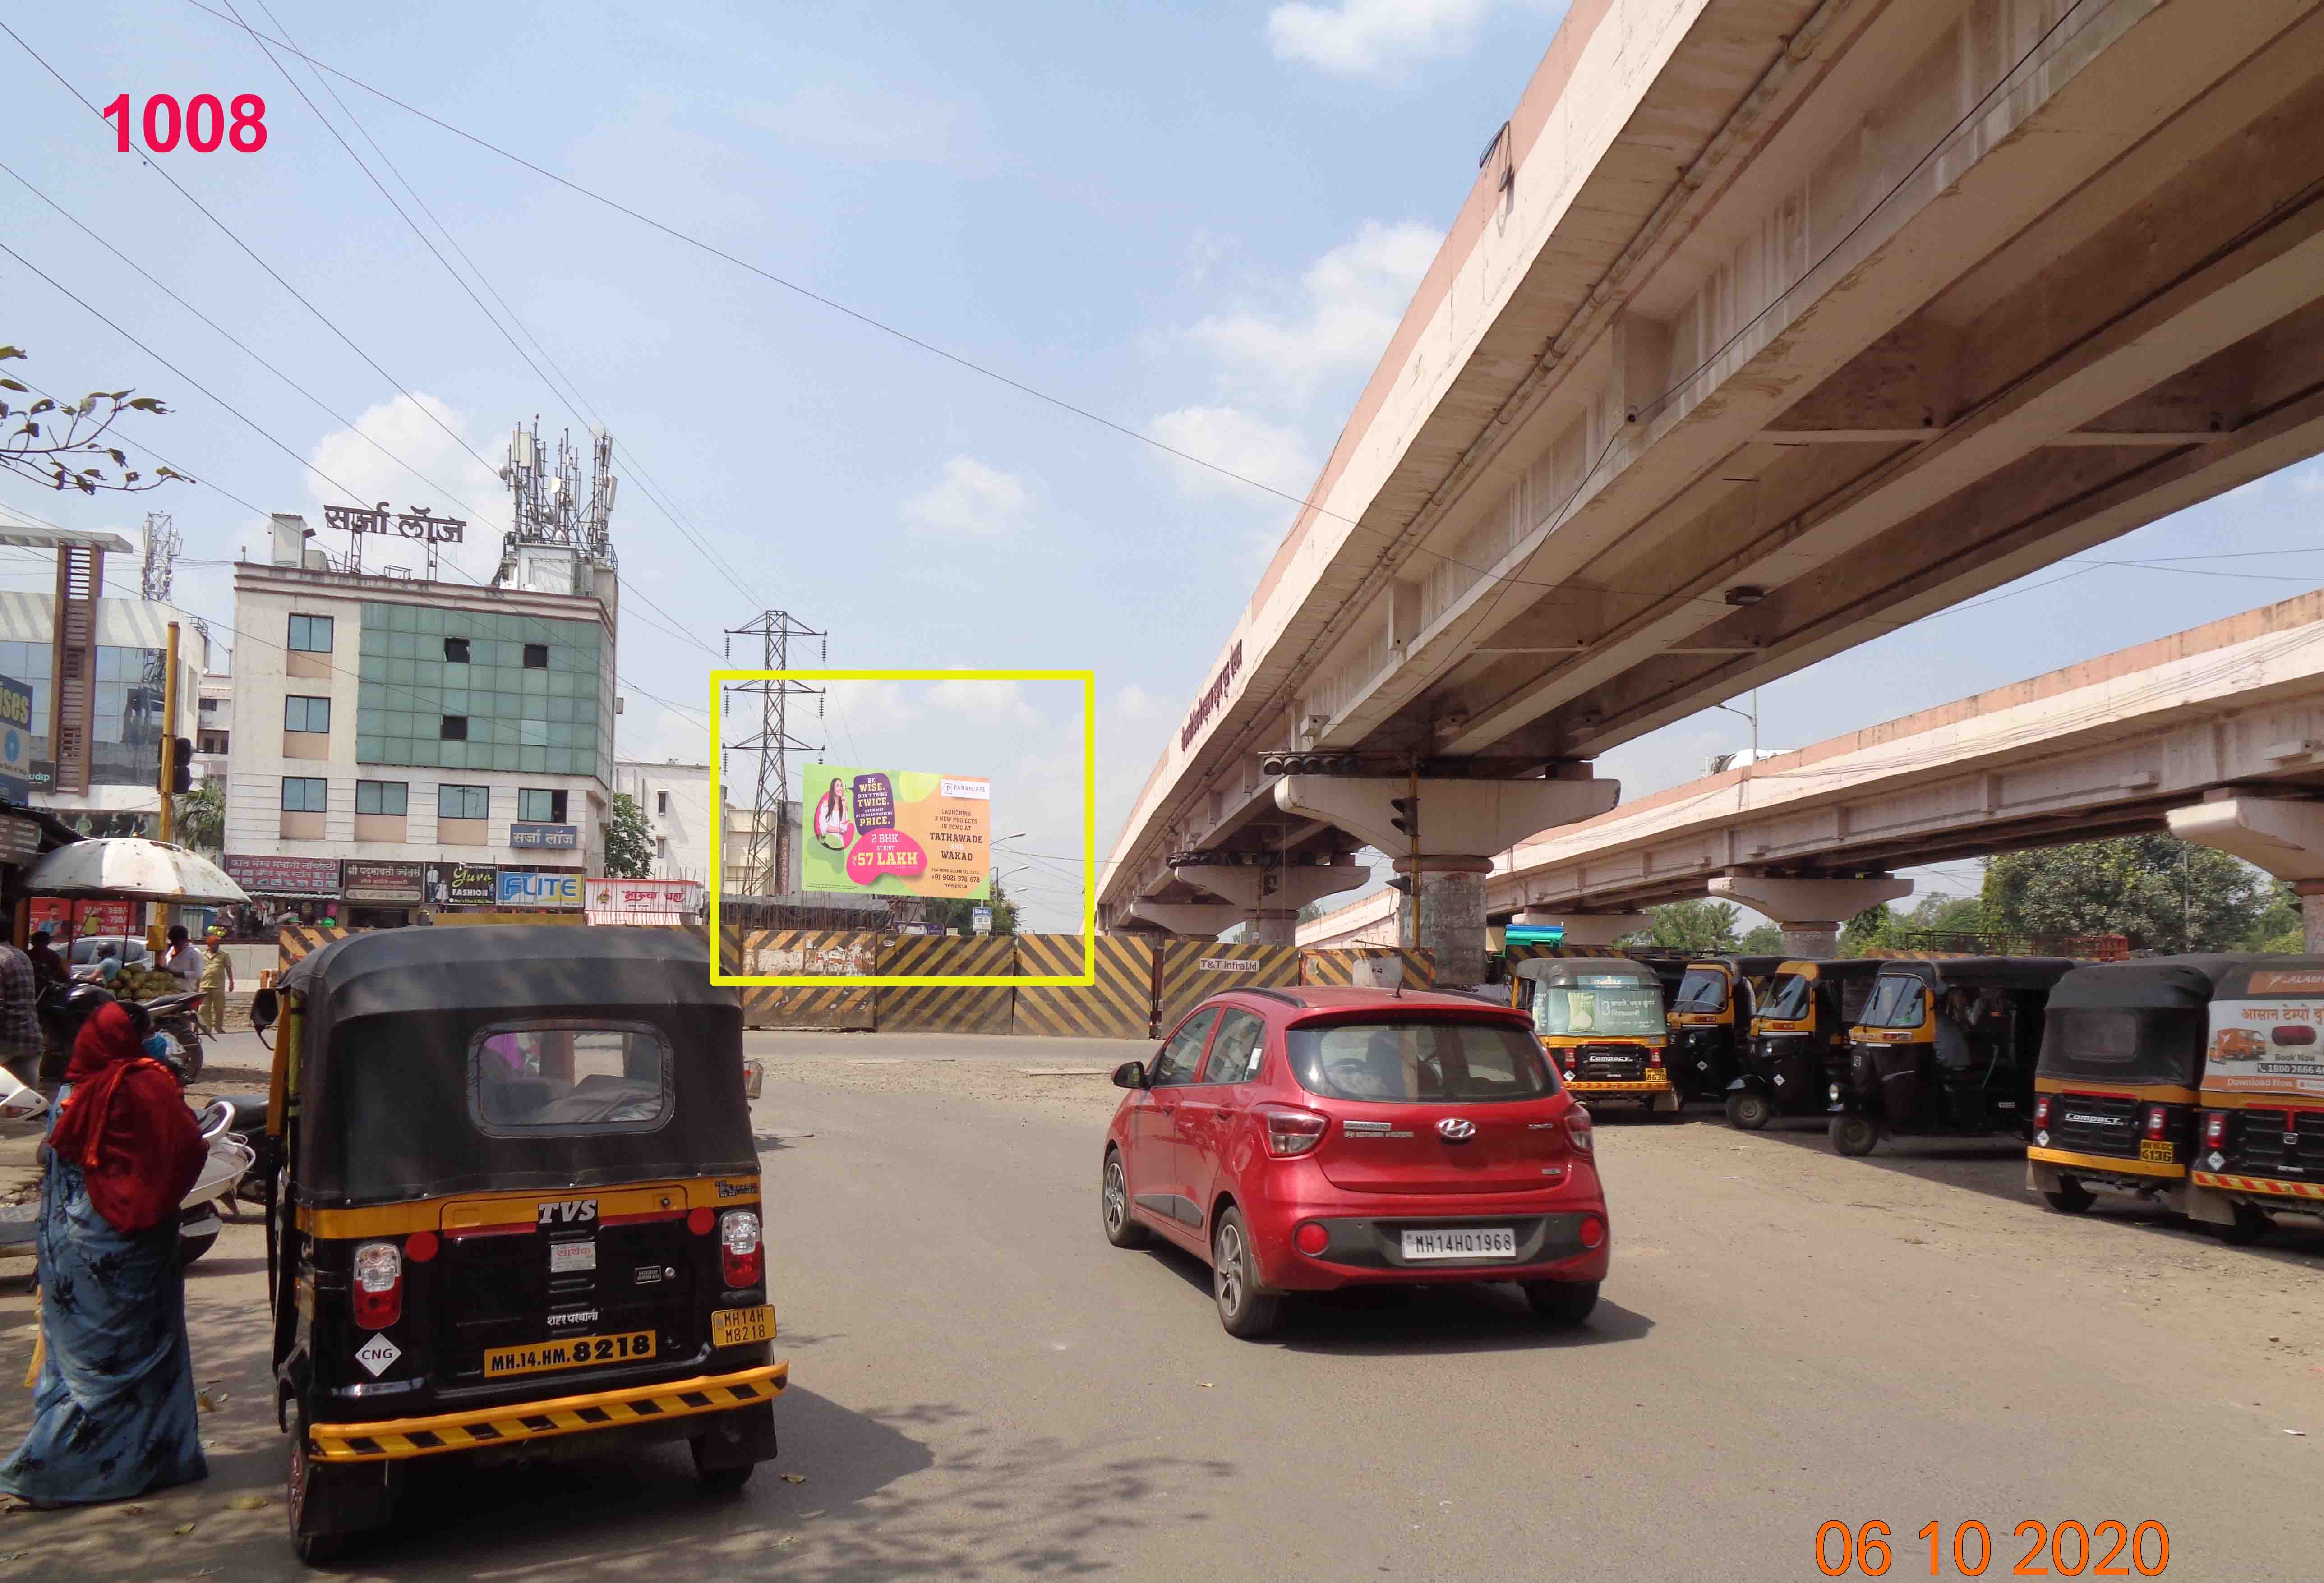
{"type": "Point", "coordinates": [739, 1255]}
{"type": "Point", "coordinates": [1311, 1238]}
{"type": "Point", "coordinates": [2215, 1127]}
{"type": "Point", "coordinates": [2040, 1110]}
{"type": "Point", "coordinates": [378, 1285]}
{"type": "Point", "coordinates": [1593, 1231]}
{"type": "Point", "coordinates": [1291, 1131]}
{"type": "Point", "coordinates": [1578, 1132]}
{"type": "Point", "coordinates": [2158, 1120]}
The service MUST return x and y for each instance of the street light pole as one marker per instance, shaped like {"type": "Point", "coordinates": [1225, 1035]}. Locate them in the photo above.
{"type": "Point", "coordinates": [1753, 716]}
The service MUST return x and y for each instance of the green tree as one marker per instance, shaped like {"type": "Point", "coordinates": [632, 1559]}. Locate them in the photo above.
{"type": "Point", "coordinates": [2165, 895]}
{"type": "Point", "coordinates": [200, 817]}
{"type": "Point", "coordinates": [1704, 928]}
{"type": "Point", "coordinates": [1762, 940]}
{"type": "Point", "coordinates": [948, 913]}
{"type": "Point", "coordinates": [2279, 926]}
{"type": "Point", "coordinates": [58, 443]}
{"type": "Point", "coordinates": [628, 840]}
{"type": "Point", "coordinates": [1883, 927]}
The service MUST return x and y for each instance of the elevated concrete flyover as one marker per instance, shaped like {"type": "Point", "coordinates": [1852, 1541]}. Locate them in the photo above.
{"type": "Point", "coordinates": [2216, 733]}
{"type": "Point", "coordinates": [1766, 326]}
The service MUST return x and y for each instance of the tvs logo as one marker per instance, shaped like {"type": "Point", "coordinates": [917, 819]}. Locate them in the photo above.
{"type": "Point", "coordinates": [1456, 1129]}
{"type": "Point", "coordinates": [572, 1211]}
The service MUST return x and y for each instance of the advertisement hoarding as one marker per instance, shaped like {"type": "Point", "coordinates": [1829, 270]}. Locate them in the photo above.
{"type": "Point", "coordinates": [16, 740]}
{"type": "Point", "coordinates": [2272, 1043]}
{"type": "Point", "coordinates": [316, 878]}
{"type": "Point", "coordinates": [516, 888]}
{"type": "Point", "coordinates": [370, 880]}
{"type": "Point", "coordinates": [662, 902]}
{"type": "Point", "coordinates": [896, 833]}
{"type": "Point", "coordinates": [461, 884]}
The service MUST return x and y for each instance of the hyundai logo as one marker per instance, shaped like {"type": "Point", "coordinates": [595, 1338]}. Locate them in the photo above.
{"type": "Point", "coordinates": [1456, 1129]}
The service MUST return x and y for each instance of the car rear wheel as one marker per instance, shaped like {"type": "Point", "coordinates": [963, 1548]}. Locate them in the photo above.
{"type": "Point", "coordinates": [1246, 1312]}
{"type": "Point", "coordinates": [1562, 1302]}
{"type": "Point", "coordinates": [1748, 1111]}
{"type": "Point", "coordinates": [2069, 1197]}
{"type": "Point", "coordinates": [2250, 1224]}
{"type": "Point", "coordinates": [1853, 1135]}
{"type": "Point", "coordinates": [1113, 1205]}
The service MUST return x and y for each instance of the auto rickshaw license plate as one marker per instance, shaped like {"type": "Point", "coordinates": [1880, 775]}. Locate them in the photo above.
{"type": "Point", "coordinates": [2166, 1153]}
{"type": "Point", "coordinates": [731, 1327]}
{"type": "Point", "coordinates": [568, 1352]}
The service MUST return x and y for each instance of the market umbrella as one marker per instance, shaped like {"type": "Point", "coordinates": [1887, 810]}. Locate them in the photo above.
{"type": "Point", "coordinates": [129, 868]}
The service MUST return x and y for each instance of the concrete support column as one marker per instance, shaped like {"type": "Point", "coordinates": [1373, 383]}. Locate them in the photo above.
{"type": "Point", "coordinates": [1810, 912]}
{"type": "Point", "coordinates": [1588, 928]}
{"type": "Point", "coordinates": [2286, 838]}
{"type": "Point", "coordinates": [1204, 919]}
{"type": "Point", "coordinates": [1811, 942]}
{"type": "Point", "coordinates": [1275, 926]}
{"type": "Point", "coordinates": [2312, 915]}
{"type": "Point", "coordinates": [1448, 914]}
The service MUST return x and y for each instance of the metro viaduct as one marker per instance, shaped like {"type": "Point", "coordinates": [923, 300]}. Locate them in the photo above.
{"type": "Point", "coordinates": [1767, 325]}
{"type": "Point", "coordinates": [2215, 734]}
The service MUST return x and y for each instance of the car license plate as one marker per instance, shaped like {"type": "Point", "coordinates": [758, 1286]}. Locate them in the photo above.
{"type": "Point", "coordinates": [1491, 1242]}
{"type": "Point", "coordinates": [2166, 1153]}
{"type": "Point", "coordinates": [731, 1327]}
{"type": "Point", "coordinates": [568, 1352]}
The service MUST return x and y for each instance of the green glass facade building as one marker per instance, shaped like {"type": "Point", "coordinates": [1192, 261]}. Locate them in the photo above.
{"type": "Point", "coordinates": [457, 689]}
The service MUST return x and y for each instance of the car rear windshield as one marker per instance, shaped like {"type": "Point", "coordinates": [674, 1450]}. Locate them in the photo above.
{"type": "Point", "coordinates": [1896, 1003]}
{"type": "Point", "coordinates": [569, 1077]}
{"type": "Point", "coordinates": [1470, 1061]}
{"type": "Point", "coordinates": [1618, 1009]}
{"type": "Point", "coordinates": [1702, 989]}
{"type": "Point", "coordinates": [1790, 997]}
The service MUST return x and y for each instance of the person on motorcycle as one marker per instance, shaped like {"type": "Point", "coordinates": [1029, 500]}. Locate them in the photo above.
{"type": "Point", "coordinates": [48, 967]}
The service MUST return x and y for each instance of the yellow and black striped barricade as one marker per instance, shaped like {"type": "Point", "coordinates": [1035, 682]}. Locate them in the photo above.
{"type": "Point", "coordinates": [767, 952]}
{"type": "Point", "coordinates": [1337, 964]}
{"type": "Point", "coordinates": [948, 1008]}
{"type": "Point", "coordinates": [297, 940]}
{"type": "Point", "coordinates": [1118, 1006]}
{"type": "Point", "coordinates": [1193, 970]}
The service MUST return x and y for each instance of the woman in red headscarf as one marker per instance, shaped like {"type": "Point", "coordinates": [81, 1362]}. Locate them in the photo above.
{"type": "Point", "coordinates": [112, 1413]}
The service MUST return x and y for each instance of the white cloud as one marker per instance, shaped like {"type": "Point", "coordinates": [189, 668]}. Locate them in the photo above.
{"type": "Point", "coordinates": [972, 501]}
{"type": "Point", "coordinates": [1372, 38]}
{"type": "Point", "coordinates": [377, 458]}
{"type": "Point", "coordinates": [862, 709]}
{"type": "Point", "coordinates": [1131, 702]}
{"type": "Point", "coordinates": [985, 703]}
{"type": "Point", "coordinates": [1355, 294]}
{"type": "Point", "coordinates": [1241, 442]}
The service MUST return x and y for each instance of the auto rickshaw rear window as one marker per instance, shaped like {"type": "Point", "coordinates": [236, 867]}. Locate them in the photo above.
{"type": "Point", "coordinates": [1788, 999]}
{"type": "Point", "coordinates": [1701, 991]}
{"type": "Point", "coordinates": [1619, 1008]}
{"type": "Point", "coordinates": [1896, 1003]}
{"type": "Point", "coordinates": [1414, 1062]}
{"type": "Point", "coordinates": [568, 1077]}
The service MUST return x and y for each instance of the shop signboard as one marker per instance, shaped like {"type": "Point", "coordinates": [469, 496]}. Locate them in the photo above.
{"type": "Point", "coordinates": [663, 902]}
{"type": "Point", "coordinates": [546, 837]}
{"type": "Point", "coordinates": [261, 875]}
{"type": "Point", "coordinates": [15, 741]}
{"type": "Point", "coordinates": [374, 882]}
{"type": "Point", "coordinates": [517, 889]}
{"type": "Point", "coordinates": [461, 884]}
{"type": "Point", "coordinates": [20, 840]}
{"type": "Point", "coordinates": [897, 832]}
{"type": "Point", "coordinates": [69, 920]}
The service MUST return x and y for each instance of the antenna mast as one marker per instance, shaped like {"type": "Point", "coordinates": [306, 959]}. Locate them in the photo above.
{"type": "Point", "coordinates": [766, 865]}
{"type": "Point", "coordinates": [162, 546]}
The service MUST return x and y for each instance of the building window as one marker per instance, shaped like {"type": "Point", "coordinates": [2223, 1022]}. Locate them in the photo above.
{"type": "Point", "coordinates": [305, 793]}
{"type": "Point", "coordinates": [536, 656]}
{"type": "Point", "coordinates": [311, 634]}
{"type": "Point", "coordinates": [463, 801]}
{"type": "Point", "coordinates": [212, 741]}
{"type": "Point", "coordinates": [209, 706]}
{"type": "Point", "coordinates": [534, 806]}
{"type": "Point", "coordinates": [661, 848]}
{"type": "Point", "coordinates": [304, 713]}
{"type": "Point", "coordinates": [662, 801]}
{"type": "Point", "coordinates": [455, 651]}
{"type": "Point", "coordinates": [454, 728]}
{"type": "Point", "coordinates": [382, 796]}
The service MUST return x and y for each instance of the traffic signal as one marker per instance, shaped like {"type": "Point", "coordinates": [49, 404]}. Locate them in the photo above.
{"type": "Point", "coordinates": [179, 779]}
{"type": "Point", "coordinates": [1407, 814]}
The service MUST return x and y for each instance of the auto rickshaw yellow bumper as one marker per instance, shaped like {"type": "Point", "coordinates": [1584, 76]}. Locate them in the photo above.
{"type": "Point", "coordinates": [2108, 1163]}
{"type": "Point", "coordinates": [1657, 1084]}
{"type": "Point", "coordinates": [2267, 1185]}
{"type": "Point", "coordinates": [397, 1438]}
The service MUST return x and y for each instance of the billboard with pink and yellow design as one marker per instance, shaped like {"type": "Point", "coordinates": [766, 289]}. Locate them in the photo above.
{"type": "Point", "coordinates": [896, 833]}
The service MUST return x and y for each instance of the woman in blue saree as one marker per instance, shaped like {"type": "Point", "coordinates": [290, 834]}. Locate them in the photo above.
{"type": "Point", "coordinates": [113, 1407]}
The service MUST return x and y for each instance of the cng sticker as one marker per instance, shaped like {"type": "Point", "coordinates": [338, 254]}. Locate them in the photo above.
{"type": "Point", "coordinates": [376, 1354]}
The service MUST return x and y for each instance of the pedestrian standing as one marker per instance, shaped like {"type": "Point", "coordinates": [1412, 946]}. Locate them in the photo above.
{"type": "Point", "coordinates": [112, 1412]}
{"type": "Point", "coordinates": [218, 977]}
{"type": "Point", "coordinates": [183, 958]}
{"type": "Point", "coordinates": [19, 1018]}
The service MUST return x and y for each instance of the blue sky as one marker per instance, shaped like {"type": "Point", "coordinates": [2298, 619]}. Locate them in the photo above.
{"type": "Point", "coordinates": [1197, 221]}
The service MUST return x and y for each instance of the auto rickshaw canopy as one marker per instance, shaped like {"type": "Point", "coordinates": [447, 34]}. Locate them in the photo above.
{"type": "Point", "coordinates": [392, 1027]}
{"type": "Point", "coordinates": [2132, 1022]}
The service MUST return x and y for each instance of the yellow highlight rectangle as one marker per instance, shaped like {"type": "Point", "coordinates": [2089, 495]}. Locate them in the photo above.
{"type": "Point", "coordinates": [721, 679]}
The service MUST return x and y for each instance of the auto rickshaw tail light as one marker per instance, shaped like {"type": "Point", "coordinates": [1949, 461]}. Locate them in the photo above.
{"type": "Point", "coordinates": [2158, 1122]}
{"type": "Point", "coordinates": [739, 1253]}
{"type": "Point", "coordinates": [1291, 1131]}
{"type": "Point", "coordinates": [2215, 1127]}
{"type": "Point", "coordinates": [378, 1284]}
{"type": "Point", "coordinates": [2040, 1110]}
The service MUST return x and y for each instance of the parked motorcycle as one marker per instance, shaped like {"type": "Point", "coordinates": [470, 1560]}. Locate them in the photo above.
{"type": "Point", "coordinates": [63, 1007]}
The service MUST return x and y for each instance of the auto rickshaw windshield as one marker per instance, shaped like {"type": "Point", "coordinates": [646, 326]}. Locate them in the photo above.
{"type": "Point", "coordinates": [1790, 997]}
{"type": "Point", "coordinates": [1897, 1001]}
{"type": "Point", "coordinates": [1702, 989]}
{"type": "Point", "coordinates": [1621, 1008]}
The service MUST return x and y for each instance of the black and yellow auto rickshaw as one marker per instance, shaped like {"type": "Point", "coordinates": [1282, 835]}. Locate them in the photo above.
{"type": "Point", "coordinates": [518, 1215]}
{"type": "Point", "coordinates": [2113, 1090]}
{"type": "Point", "coordinates": [1600, 1019]}
{"type": "Point", "coordinates": [1802, 1022]}
{"type": "Point", "coordinates": [2259, 1149]}
{"type": "Point", "coordinates": [1711, 1020]}
{"type": "Point", "coordinates": [1945, 1046]}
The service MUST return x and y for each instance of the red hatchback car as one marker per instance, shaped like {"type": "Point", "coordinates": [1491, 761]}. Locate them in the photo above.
{"type": "Point", "coordinates": [1302, 1140]}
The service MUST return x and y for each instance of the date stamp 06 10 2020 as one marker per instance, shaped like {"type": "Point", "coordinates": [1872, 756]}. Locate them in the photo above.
{"type": "Point", "coordinates": [2068, 1549]}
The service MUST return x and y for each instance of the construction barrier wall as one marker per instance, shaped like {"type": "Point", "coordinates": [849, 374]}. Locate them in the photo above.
{"type": "Point", "coordinates": [1337, 964]}
{"type": "Point", "coordinates": [1194, 970]}
{"type": "Point", "coordinates": [297, 940]}
{"type": "Point", "coordinates": [948, 1008]}
{"type": "Point", "coordinates": [1118, 1006]}
{"type": "Point", "coordinates": [763, 953]}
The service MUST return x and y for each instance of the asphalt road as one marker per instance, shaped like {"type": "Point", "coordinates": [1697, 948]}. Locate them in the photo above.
{"type": "Point", "coordinates": [985, 1390]}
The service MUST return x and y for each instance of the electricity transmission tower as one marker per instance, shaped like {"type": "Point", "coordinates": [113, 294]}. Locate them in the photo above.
{"type": "Point", "coordinates": [162, 546]}
{"type": "Point", "coordinates": [767, 863]}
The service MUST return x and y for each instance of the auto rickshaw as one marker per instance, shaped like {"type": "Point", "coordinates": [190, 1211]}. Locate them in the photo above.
{"type": "Point", "coordinates": [2260, 1148]}
{"type": "Point", "coordinates": [2114, 1090]}
{"type": "Point", "coordinates": [1802, 1020]}
{"type": "Point", "coordinates": [1711, 1020]}
{"type": "Point", "coordinates": [1946, 1047]}
{"type": "Point", "coordinates": [1600, 1019]}
{"type": "Point", "coordinates": [518, 1216]}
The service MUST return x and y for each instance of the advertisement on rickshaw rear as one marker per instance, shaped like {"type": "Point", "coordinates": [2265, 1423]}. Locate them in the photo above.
{"type": "Point", "coordinates": [2273, 1042]}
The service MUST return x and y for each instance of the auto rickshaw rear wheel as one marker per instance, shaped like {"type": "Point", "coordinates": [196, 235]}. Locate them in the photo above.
{"type": "Point", "coordinates": [2069, 1197]}
{"type": "Point", "coordinates": [1748, 1110]}
{"type": "Point", "coordinates": [721, 1481]}
{"type": "Point", "coordinates": [299, 1498]}
{"type": "Point", "coordinates": [2251, 1223]}
{"type": "Point", "coordinates": [1854, 1134]}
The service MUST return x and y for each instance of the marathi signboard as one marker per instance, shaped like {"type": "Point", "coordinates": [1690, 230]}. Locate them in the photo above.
{"type": "Point", "coordinates": [663, 902]}
{"type": "Point", "coordinates": [517, 889]}
{"type": "Point", "coordinates": [461, 884]}
{"type": "Point", "coordinates": [2272, 1043]}
{"type": "Point", "coordinates": [15, 741]}
{"type": "Point", "coordinates": [897, 832]}
{"type": "Point", "coordinates": [314, 878]}
{"type": "Point", "coordinates": [563, 837]}
{"type": "Point", "coordinates": [20, 840]}
{"type": "Point", "coordinates": [367, 879]}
